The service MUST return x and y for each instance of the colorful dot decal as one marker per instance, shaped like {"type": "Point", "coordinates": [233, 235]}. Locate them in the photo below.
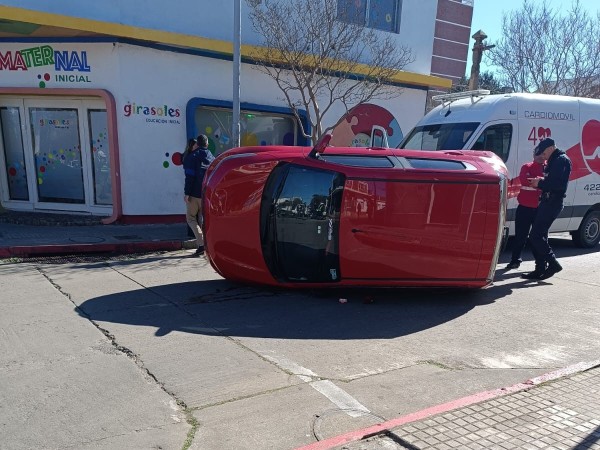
{"type": "Point", "coordinates": [177, 159]}
{"type": "Point", "coordinates": [42, 83]}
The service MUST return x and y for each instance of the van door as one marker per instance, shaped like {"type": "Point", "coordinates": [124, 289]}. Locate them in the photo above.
{"type": "Point", "coordinates": [502, 138]}
{"type": "Point", "coordinates": [556, 118]}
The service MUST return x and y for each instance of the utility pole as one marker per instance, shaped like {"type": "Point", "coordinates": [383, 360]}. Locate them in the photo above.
{"type": "Point", "coordinates": [237, 62]}
{"type": "Point", "coordinates": [478, 49]}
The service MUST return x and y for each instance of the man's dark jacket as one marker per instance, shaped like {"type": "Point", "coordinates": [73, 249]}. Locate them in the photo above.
{"type": "Point", "coordinates": [195, 164]}
{"type": "Point", "coordinates": [557, 172]}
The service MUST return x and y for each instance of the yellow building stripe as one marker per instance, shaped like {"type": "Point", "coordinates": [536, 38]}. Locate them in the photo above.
{"type": "Point", "coordinates": [178, 39]}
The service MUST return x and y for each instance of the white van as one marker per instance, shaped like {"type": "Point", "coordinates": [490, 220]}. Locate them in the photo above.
{"type": "Point", "coordinates": [511, 125]}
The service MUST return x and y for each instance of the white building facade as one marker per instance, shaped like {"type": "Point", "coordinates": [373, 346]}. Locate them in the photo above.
{"type": "Point", "coordinates": [98, 100]}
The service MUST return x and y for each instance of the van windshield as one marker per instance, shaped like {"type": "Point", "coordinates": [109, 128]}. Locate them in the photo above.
{"type": "Point", "coordinates": [444, 136]}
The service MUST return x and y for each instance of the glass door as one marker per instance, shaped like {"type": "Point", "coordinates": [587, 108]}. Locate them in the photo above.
{"type": "Point", "coordinates": [55, 154]}
{"type": "Point", "coordinates": [100, 170]}
{"type": "Point", "coordinates": [12, 152]}
{"type": "Point", "coordinates": [56, 147]}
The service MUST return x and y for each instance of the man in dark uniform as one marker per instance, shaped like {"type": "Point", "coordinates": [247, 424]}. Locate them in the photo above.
{"type": "Point", "coordinates": [554, 186]}
{"type": "Point", "coordinates": [195, 164]}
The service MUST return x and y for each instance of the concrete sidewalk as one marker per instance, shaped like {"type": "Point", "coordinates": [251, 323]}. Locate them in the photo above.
{"type": "Point", "coordinates": [35, 234]}
{"type": "Point", "coordinates": [558, 411]}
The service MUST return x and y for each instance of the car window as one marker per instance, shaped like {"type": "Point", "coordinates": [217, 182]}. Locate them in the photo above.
{"type": "Point", "coordinates": [358, 160]}
{"type": "Point", "coordinates": [445, 136]}
{"type": "Point", "coordinates": [495, 138]}
{"type": "Point", "coordinates": [437, 164]}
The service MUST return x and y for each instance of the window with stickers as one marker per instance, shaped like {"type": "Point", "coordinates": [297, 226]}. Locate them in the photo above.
{"type": "Point", "coordinates": [380, 14]}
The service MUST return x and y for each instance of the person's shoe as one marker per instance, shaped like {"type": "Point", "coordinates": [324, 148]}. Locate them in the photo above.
{"type": "Point", "coordinates": [199, 251]}
{"type": "Point", "coordinates": [553, 268]}
{"type": "Point", "coordinates": [535, 275]}
{"type": "Point", "coordinates": [513, 265]}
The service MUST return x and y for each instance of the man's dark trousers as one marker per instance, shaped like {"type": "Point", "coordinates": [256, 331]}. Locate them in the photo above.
{"type": "Point", "coordinates": [547, 212]}
{"type": "Point", "coordinates": [524, 219]}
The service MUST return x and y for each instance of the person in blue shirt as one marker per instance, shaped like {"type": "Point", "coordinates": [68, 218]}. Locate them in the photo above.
{"type": "Point", "coordinates": [554, 187]}
{"type": "Point", "coordinates": [195, 164]}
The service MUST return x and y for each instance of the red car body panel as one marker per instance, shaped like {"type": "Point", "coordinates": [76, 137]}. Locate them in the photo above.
{"type": "Point", "coordinates": [392, 226]}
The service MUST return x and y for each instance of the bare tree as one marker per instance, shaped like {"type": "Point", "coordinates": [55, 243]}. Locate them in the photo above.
{"type": "Point", "coordinates": [319, 58]}
{"type": "Point", "coordinates": [544, 51]}
{"type": "Point", "coordinates": [487, 80]}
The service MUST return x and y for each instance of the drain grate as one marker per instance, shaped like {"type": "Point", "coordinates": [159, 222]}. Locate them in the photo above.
{"type": "Point", "coordinates": [127, 237]}
{"type": "Point", "coordinates": [66, 259]}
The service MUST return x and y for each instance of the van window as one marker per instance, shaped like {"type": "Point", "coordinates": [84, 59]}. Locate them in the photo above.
{"type": "Point", "coordinates": [495, 138]}
{"type": "Point", "coordinates": [445, 136]}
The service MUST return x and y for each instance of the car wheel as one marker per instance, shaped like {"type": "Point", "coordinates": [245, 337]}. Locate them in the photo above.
{"type": "Point", "coordinates": [588, 234]}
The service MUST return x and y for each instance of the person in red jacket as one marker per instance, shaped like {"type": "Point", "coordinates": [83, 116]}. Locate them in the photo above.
{"type": "Point", "coordinates": [528, 199]}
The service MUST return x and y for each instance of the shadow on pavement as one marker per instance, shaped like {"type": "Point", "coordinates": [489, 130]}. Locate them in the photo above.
{"type": "Point", "coordinates": [220, 307]}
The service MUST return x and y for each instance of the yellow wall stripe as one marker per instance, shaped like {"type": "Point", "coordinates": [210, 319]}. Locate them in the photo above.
{"type": "Point", "coordinates": [170, 38]}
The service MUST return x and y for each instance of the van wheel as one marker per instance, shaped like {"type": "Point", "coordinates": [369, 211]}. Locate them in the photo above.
{"type": "Point", "coordinates": [588, 234]}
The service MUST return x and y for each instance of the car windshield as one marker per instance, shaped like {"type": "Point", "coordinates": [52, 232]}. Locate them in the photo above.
{"type": "Point", "coordinates": [445, 136]}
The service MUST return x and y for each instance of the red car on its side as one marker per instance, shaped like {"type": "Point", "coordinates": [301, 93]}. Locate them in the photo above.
{"type": "Point", "coordinates": [331, 216]}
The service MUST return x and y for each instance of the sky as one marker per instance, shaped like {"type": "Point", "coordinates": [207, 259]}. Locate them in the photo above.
{"type": "Point", "coordinates": [487, 16]}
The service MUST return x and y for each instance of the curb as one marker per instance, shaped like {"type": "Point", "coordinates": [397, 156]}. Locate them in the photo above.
{"type": "Point", "coordinates": [384, 427]}
{"type": "Point", "coordinates": [24, 251]}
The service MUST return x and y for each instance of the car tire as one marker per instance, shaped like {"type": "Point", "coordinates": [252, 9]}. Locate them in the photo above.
{"type": "Point", "coordinates": [588, 234]}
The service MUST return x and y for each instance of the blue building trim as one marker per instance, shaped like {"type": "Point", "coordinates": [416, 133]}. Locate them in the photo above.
{"type": "Point", "coordinates": [196, 102]}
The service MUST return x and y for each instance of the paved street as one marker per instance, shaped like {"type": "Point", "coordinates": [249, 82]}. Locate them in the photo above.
{"type": "Point", "coordinates": [157, 351]}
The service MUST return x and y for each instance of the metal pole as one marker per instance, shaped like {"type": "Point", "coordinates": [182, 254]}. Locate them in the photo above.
{"type": "Point", "coordinates": [478, 49]}
{"type": "Point", "coordinates": [237, 62]}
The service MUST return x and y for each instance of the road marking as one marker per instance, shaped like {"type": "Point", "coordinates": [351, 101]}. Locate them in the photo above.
{"type": "Point", "coordinates": [336, 395]}
{"type": "Point", "coordinates": [382, 427]}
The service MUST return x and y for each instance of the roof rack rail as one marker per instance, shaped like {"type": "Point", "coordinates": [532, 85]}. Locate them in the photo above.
{"type": "Point", "coordinates": [449, 98]}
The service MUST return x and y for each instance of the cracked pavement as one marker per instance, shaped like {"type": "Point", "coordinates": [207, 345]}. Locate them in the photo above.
{"type": "Point", "coordinates": [157, 351]}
